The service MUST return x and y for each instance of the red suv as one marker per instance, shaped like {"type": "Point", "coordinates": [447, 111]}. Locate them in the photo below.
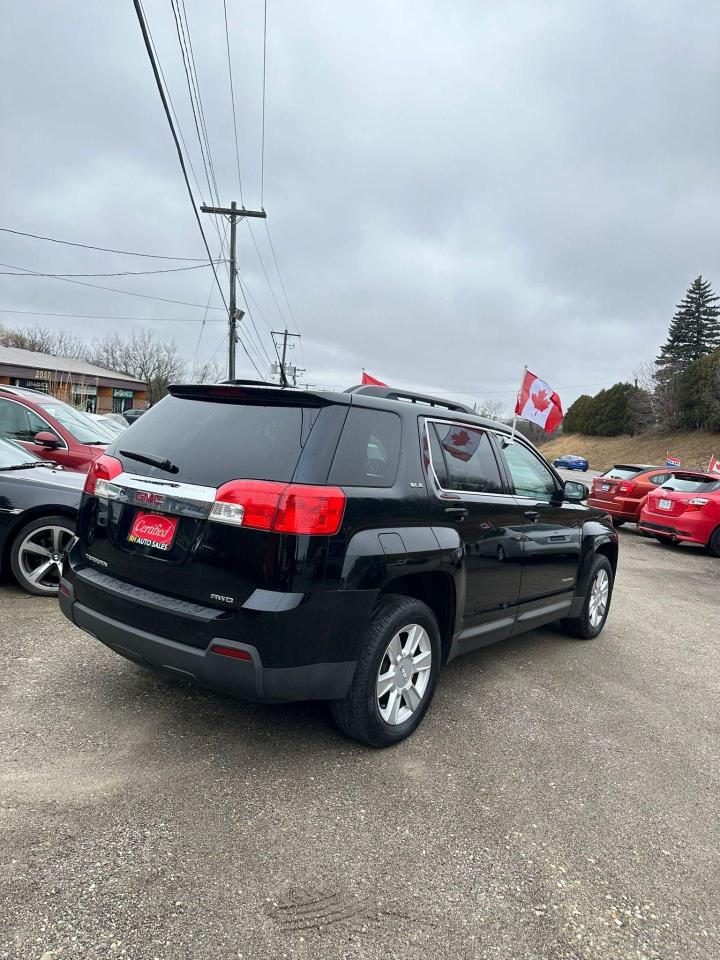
{"type": "Point", "coordinates": [622, 489]}
{"type": "Point", "coordinates": [51, 429]}
{"type": "Point", "coordinates": [686, 508]}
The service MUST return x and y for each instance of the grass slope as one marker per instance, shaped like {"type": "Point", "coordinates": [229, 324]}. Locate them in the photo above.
{"type": "Point", "coordinates": [694, 448]}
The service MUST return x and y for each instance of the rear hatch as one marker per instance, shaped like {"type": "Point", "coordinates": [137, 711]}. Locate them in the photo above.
{"type": "Point", "coordinates": [155, 525]}
{"type": "Point", "coordinates": [683, 491]}
{"type": "Point", "coordinates": [614, 482]}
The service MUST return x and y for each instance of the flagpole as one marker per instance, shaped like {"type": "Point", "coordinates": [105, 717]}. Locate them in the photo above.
{"type": "Point", "coordinates": [517, 395]}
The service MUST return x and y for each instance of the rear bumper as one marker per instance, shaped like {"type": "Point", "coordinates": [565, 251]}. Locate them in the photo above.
{"type": "Point", "coordinates": [620, 509]}
{"type": "Point", "coordinates": [684, 529]}
{"type": "Point", "coordinates": [246, 678]}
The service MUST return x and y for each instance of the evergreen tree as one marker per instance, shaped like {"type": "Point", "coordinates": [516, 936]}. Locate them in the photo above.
{"type": "Point", "coordinates": [695, 328]}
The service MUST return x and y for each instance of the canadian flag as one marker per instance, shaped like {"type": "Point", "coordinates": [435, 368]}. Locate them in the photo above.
{"type": "Point", "coordinates": [537, 401]}
{"type": "Point", "coordinates": [372, 381]}
{"type": "Point", "coordinates": [714, 465]}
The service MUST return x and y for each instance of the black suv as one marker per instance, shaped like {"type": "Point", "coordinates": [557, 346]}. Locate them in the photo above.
{"type": "Point", "coordinates": [290, 545]}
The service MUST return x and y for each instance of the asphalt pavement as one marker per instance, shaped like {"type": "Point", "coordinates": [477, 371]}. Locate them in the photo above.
{"type": "Point", "coordinates": [559, 802]}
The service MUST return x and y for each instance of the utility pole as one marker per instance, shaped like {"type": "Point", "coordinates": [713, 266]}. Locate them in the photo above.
{"type": "Point", "coordinates": [233, 214]}
{"type": "Point", "coordinates": [283, 368]}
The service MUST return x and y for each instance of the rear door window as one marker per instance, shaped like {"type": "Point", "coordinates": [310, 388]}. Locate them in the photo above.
{"type": "Point", "coordinates": [463, 458]}
{"type": "Point", "coordinates": [212, 442]}
{"type": "Point", "coordinates": [369, 449]}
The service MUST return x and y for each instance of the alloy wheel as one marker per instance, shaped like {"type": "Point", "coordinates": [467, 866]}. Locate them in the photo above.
{"type": "Point", "coordinates": [599, 596]}
{"type": "Point", "coordinates": [40, 556]}
{"type": "Point", "coordinates": [404, 674]}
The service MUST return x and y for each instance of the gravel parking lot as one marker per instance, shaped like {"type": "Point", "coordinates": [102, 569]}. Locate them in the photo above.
{"type": "Point", "coordinates": [559, 801]}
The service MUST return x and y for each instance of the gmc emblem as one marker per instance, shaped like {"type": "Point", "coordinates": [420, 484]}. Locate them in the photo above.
{"type": "Point", "coordinates": [155, 499]}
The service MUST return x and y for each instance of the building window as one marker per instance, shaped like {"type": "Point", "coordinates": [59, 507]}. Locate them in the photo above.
{"type": "Point", "coordinates": [122, 400]}
{"type": "Point", "coordinates": [83, 397]}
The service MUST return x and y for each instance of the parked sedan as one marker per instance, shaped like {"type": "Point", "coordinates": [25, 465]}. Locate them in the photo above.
{"type": "Point", "coordinates": [51, 429]}
{"type": "Point", "coordinates": [39, 502]}
{"type": "Point", "coordinates": [571, 461]}
{"type": "Point", "coordinates": [686, 508]}
{"type": "Point", "coordinates": [621, 490]}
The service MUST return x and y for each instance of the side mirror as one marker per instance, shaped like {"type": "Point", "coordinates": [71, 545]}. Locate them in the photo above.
{"type": "Point", "coordinates": [47, 439]}
{"type": "Point", "coordinates": [575, 492]}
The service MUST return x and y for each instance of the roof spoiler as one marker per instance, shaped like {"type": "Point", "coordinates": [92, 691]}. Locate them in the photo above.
{"type": "Point", "coordinates": [257, 391]}
{"type": "Point", "coordinates": [390, 393]}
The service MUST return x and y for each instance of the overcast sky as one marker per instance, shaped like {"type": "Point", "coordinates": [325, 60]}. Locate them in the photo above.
{"type": "Point", "coordinates": [454, 189]}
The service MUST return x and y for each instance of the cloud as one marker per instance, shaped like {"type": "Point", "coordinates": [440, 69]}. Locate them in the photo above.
{"type": "Point", "coordinates": [454, 190]}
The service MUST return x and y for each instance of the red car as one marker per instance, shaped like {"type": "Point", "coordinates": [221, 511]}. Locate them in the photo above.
{"type": "Point", "coordinates": [686, 508]}
{"type": "Point", "coordinates": [622, 489]}
{"type": "Point", "coordinates": [51, 429]}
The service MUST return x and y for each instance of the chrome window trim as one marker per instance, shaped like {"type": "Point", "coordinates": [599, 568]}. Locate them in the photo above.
{"type": "Point", "coordinates": [438, 488]}
{"type": "Point", "coordinates": [41, 417]}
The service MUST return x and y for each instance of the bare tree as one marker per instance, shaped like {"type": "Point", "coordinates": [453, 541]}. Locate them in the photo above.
{"type": "Point", "coordinates": [145, 357]}
{"type": "Point", "coordinates": [57, 343]}
{"type": "Point", "coordinates": [208, 371]}
{"type": "Point", "coordinates": [492, 409]}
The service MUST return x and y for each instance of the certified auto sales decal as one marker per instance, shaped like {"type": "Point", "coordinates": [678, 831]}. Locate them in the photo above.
{"type": "Point", "coordinates": [153, 530]}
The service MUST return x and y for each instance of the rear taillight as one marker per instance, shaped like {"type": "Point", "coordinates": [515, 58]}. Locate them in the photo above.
{"type": "Point", "coordinates": [697, 503]}
{"type": "Point", "coordinates": [100, 473]}
{"type": "Point", "coordinates": [626, 487]}
{"type": "Point", "coordinates": [284, 508]}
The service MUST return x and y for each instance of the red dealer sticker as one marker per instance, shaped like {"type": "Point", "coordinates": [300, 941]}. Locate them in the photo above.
{"type": "Point", "coordinates": [153, 530]}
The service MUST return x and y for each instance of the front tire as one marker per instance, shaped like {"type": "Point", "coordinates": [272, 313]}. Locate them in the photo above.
{"type": "Point", "coordinates": [396, 674]}
{"type": "Point", "coordinates": [37, 553]}
{"type": "Point", "coordinates": [597, 602]}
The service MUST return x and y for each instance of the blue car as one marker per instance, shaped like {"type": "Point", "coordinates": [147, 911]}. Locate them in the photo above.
{"type": "Point", "coordinates": [571, 462]}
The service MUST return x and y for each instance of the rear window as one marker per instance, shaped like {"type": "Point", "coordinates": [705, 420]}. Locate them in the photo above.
{"type": "Point", "coordinates": [212, 442]}
{"type": "Point", "coordinates": [621, 473]}
{"type": "Point", "coordinates": [691, 484]}
{"type": "Point", "coordinates": [369, 448]}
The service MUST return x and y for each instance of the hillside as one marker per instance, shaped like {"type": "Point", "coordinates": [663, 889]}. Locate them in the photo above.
{"type": "Point", "coordinates": [694, 448]}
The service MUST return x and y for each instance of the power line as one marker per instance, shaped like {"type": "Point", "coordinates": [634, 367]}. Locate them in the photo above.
{"type": "Point", "coordinates": [100, 316]}
{"type": "Point", "coordinates": [91, 246]}
{"type": "Point", "coordinates": [264, 270]}
{"type": "Point", "coordinates": [262, 145]}
{"type": "Point", "coordinates": [153, 63]}
{"type": "Point", "coordinates": [125, 293]}
{"type": "Point", "coordinates": [232, 99]}
{"type": "Point", "coordinates": [121, 273]}
{"type": "Point", "coordinates": [282, 284]}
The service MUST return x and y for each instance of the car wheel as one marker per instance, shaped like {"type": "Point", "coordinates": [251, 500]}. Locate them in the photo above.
{"type": "Point", "coordinates": [714, 543]}
{"type": "Point", "coordinates": [597, 602]}
{"type": "Point", "coordinates": [37, 553]}
{"type": "Point", "coordinates": [396, 674]}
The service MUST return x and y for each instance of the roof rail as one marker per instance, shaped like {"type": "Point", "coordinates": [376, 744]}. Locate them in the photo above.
{"type": "Point", "coordinates": [390, 393]}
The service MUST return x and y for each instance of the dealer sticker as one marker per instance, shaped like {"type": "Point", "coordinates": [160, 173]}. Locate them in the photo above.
{"type": "Point", "coordinates": [153, 530]}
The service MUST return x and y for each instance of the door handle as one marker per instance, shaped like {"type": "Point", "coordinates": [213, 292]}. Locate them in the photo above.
{"type": "Point", "coordinates": [532, 515]}
{"type": "Point", "coordinates": [457, 513]}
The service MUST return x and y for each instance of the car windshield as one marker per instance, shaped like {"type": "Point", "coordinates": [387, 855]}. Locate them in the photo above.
{"type": "Point", "coordinates": [686, 483]}
{"type": "Point", "coordinates": [79, 424]}
{"type": "Point", "coordinates": [12, 454]}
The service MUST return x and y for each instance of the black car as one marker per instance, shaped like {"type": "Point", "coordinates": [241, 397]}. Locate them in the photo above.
{"type": "Point", "coordinates": [288, 545]}
{"type": "Point", "coordinates": [38, 509]}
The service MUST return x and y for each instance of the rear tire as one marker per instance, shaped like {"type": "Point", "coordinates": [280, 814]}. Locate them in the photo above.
{"type": "Point", "coordinates": [388, 698]}
{"type": "Point", "coordinates": [597, 602]}
{"type": "Point", "coordinates": [714, 543]}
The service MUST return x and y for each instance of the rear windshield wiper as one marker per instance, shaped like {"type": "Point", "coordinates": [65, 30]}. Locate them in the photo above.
{"type": "Point", "coordinates": [29, 466]}
{"type": "Point", "coordinates": [162, 464]}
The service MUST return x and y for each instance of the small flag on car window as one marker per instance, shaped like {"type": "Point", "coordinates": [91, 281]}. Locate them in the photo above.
{"type": "Point", "coordinates": [673, 461]}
